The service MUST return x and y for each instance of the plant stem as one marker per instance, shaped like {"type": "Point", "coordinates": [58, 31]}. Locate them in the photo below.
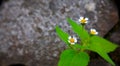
{"type": "Point", "coordinates": [82, 42]}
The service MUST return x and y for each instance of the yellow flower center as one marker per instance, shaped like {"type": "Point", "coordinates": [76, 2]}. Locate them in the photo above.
{"type": "Point", "coordinates": [72, 40]}
{"type": "Point", "coordinates": [93, 32]}
{"type": "Point", "coordinates": [83, 21]}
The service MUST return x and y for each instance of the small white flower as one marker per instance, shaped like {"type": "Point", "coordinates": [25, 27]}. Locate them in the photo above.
{"type": "Point", "coordinates": [93, 32]}
{"type": "Point", "coordinates": [72, 40]}
{"type": "Point", "coordinates": [83, 20]}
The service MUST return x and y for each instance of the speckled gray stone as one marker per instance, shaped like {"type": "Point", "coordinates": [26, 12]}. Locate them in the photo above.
{"type": "Point", "coordinates": [27, 27]}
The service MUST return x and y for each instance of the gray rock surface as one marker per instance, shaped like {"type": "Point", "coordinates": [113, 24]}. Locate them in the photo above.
{"type": "Point", "coordinates": [27, 27]}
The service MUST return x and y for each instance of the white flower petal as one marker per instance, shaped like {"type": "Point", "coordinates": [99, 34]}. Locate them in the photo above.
{"type": "Point", "coordinates": [72, 43]}
{"type": "Point", "coordinates": [75, 40]}
{"type": "Point", "coordinates": [92, 30]}
{"type": "Point", "coordinates": [69, 37]}
{"type": "Point", "coordinates": [96, 33]}
{"type": "Point", "coordinates": [86, 22]}
{"type": "Point", "coordinates": [86, 18]}
{"type": "Point", "coordinates": [81, 18]}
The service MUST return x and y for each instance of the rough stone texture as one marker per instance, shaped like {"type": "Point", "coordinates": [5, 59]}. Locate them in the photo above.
{"type": "Point", "coordinates": [27, 33]}
{"type": "Point", "coordinates": [114, 36]}
{"type": "Point", "coordinates": [98, 62]}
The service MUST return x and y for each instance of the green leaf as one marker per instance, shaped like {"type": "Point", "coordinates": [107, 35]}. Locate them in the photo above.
{"type": "Point", "coordinates": [104, 44]}
{"type": "Point", "coordinates": [106, 57]}
{"type": "Point", "coordinates": [80, 46]}
{"type": "Point", "coordinates": [98, 49]}
{"type": "Point", "coordinates": [102, 47]}
{"type": "Point", "coordinates": [79, 29]}
{"type": "Point", "coordinates": [63, 35]}
{"type": "Point", "coordinates": [72, 58]}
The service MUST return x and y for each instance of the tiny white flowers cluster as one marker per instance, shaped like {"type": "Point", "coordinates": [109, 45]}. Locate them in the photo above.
{"type": "Point", "coordinates": [72, 40]}
{"type": "Point", "coordinates": [83, 21]}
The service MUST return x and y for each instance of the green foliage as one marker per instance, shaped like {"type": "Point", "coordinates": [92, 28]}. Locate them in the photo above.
{"type": "Point", "coordinates": [98, 48]}
{"type": "Point", "coordinates": [73, 58]}
{"type": "Point", "coordinates": [106, 57]}
{"type": "Point", "coordinates": [79, 29]}
{"type": "Point", "coordinates": [76, 55]}
{"type": "Point", "coordinates": [63, 35]}
{"type": "Point", "coordinates": [102, 47]}
{"type": "Point", "coordinates": [103, 43]}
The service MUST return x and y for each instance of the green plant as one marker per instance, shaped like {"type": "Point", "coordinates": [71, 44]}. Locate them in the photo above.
{"type": "Point", "coordinates": [76, 54]}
